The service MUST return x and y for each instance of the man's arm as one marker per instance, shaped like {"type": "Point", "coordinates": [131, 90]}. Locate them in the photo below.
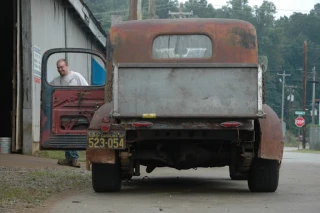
{"type": "Point", "coordinates": [82, 80]}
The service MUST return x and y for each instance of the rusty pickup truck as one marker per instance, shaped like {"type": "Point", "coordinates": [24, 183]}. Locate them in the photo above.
{"type": "Point", "coordinates": [180, 93]}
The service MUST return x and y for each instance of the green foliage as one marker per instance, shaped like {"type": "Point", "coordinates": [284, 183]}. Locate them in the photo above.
{"type": "Point", "coordinates": [104, 9]}
{"type": "Point", "coordinates": [310, 126]}
{"type": "Point", "coordinates": [290, 140]}
{"type": "Point", "coordinates": [263, 60]}
{"type": "Point", "coordinates": [280, 40]}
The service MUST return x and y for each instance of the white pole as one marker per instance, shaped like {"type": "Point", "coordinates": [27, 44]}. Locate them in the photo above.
{"type": "Point", "coordinates": [139, 14]}
{"type": "Point", "coordinates": [313, 93]}
{"type": "Point", "coordinates": [283, 84]}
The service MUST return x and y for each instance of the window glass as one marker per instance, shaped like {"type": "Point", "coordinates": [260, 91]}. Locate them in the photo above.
{"type": "Point", "coordinates": [75, 69]}
{"type": "Point", "coordinates": [182, 46]}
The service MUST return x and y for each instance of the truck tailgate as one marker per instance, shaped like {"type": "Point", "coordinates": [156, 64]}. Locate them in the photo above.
{"type": "Point", "coordinates": [188, 91]}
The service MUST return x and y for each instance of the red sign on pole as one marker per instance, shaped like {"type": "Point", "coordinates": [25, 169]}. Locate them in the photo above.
{"type": "Point", "coordinates": [299, 122]}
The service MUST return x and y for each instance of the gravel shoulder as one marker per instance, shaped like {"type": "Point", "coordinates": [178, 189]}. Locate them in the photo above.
{"type": "Point", "coordinates": [29, 183]}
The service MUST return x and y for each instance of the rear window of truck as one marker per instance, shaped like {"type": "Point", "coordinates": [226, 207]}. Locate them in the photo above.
{"type": "Point", "coordinates": [182, 46]}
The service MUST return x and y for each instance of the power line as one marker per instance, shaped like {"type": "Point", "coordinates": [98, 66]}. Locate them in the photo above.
{"type": "Point", "coordinates": [234, 9]}
{"type": "Point", "coordinates": [109, 19]}
{"type": "Point", "coordinates": [125, 10]}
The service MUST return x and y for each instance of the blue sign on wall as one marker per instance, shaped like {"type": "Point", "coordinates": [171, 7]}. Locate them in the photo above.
{"type": "Point", "coordinates": [98, 73]}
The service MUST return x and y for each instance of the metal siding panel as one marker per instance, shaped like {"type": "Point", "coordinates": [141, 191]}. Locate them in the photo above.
{"type": "Point", "coordinates": [76, 37]}
{"type": "Point", "coordinates": [84, 14]}
{"type": "Point", "coordinates": [183, 91]}
{"type": "Point", "coordinates": [47, 32]}
{"type": "Point", "coordinates": [314, 138]}
{"type": "Point", "coordinates": [47, 24]}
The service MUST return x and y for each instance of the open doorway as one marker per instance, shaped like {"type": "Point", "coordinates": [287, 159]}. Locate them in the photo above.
{"type": "Point", "coordinates": [8, 69]}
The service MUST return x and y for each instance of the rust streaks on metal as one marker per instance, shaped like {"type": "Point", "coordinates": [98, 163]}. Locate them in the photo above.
{"type": "Point", "coordinates": [271, 143]}
{"type": "Point", "coordinates": [100, 156]}
{"type": "Point", "coordinates": [245, 38]}
{"type": "Point", "coordinates": [132, 41]}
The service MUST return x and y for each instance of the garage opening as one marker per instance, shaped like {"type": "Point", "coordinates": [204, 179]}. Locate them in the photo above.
{"type": "Point", "coordinates": [8, 69]}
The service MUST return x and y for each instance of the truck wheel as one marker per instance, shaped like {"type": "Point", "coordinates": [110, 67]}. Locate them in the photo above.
{"type": "Point", "coordinates": [106, 177]}
{"type": "Point", "coordinates": [263, 175]}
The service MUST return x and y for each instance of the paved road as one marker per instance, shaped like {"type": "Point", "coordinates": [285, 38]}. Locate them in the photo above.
{"type": "Point", "coordinates": [206, 190]}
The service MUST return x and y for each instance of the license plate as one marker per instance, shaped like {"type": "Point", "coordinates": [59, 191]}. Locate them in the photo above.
{"type": "Point", "coordinates": [112, 140]}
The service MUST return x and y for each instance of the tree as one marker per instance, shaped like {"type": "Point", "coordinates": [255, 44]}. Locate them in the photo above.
{"type": "Point", "coordinates": [200, 8]}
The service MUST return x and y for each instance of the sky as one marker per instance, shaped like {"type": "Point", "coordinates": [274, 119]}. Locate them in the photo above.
{"type": "Point", "coordinates": [284, 7]}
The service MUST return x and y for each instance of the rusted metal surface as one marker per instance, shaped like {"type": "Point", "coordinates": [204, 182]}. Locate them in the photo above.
{"type": "Point", "coordinates": [73, 104]}
{"type": "Point", "coordinates": [131, 41]}
{"type": "Point", "coordinates": [271, 138]}
{"type": "Point", "coordinates": [68, 115]}
{"type": "Point", "coordinates": [102, 112]}
{"type": "Point", "coordinates": [100, 156]}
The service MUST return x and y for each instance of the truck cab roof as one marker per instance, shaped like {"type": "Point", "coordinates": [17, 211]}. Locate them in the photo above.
{"type": "Point", "coordinates": [133, 41]}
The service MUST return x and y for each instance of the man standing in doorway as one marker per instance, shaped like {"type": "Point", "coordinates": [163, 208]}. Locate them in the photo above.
{"type": "Point", "coordinates": [68, 78]}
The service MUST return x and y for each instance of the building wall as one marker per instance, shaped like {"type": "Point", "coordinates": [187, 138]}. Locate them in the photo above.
{"type": "Point", "coordinates": [50, 24]}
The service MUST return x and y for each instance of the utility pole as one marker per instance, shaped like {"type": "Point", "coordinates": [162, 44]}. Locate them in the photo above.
{"type": "Point", "coordinates": [304, 91]}
{"type": "Point", "coordinates": [313, 93]}
{"type": "Point", "coordinates": [283, 84]}
{"type": "Point", "coordinates": [290, 102]}
{"type": "Point", "coordinates": [180, 13]}
{"type": "Point", "coordinates": [152, 9]}
{"type": "Point", "coordinates": [139, 13]}
{"type": "Point", "coordinates": [133, 10]}
{"type": "Point", "coordinates": [318, 101]}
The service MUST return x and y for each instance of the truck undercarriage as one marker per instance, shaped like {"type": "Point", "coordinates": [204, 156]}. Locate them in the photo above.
{"type": "Point", "coordinates": [183, 149]}
{"type": "Point", "coordinates": [189, 148]}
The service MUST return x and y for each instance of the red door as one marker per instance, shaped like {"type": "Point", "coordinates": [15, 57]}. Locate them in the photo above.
{"type": "Point", "coordinates": [66, 112]}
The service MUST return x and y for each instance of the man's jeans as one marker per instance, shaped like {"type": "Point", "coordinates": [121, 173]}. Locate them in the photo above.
{"type": "Point", "coordinates": [71, 155]}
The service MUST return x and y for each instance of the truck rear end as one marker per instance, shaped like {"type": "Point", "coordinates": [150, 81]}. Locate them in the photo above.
{"type": "Point", "coordinates": [183, 94]}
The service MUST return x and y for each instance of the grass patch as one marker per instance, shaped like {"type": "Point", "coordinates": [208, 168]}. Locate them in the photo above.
{"type": "Point", "coordinates": [306, 151]}
{"type": "Point", "coordinates": [10, 194]}
{"type": "Point", "coordinates": [59, 154]}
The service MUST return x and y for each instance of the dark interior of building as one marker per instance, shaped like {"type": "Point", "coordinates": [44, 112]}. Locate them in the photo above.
{"type": "Point", "coordinates": [6, 86]}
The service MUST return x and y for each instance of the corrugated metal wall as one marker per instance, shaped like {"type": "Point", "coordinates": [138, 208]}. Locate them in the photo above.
{"type": "Point", "coordinates": [314, 138]}
{"type": "Point", "coordinates": [54, 25]}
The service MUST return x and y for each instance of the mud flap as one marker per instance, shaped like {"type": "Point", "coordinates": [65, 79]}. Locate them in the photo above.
{"type": "Point", "coordinates": [100, 156]}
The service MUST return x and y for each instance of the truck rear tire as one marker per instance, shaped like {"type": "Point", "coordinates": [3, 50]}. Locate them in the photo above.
{"type": "Point", "coordinates": [263, 175]}
{"type": "Point", "coordinates": [106, 177]}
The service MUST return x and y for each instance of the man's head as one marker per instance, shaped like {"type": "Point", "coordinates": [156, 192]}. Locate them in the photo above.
{"type": "Point", "coordinates": [62, 67]}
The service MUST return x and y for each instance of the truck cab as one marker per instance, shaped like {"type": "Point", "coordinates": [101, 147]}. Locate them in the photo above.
{"type": "Point", "coordinates": [182, 93]}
